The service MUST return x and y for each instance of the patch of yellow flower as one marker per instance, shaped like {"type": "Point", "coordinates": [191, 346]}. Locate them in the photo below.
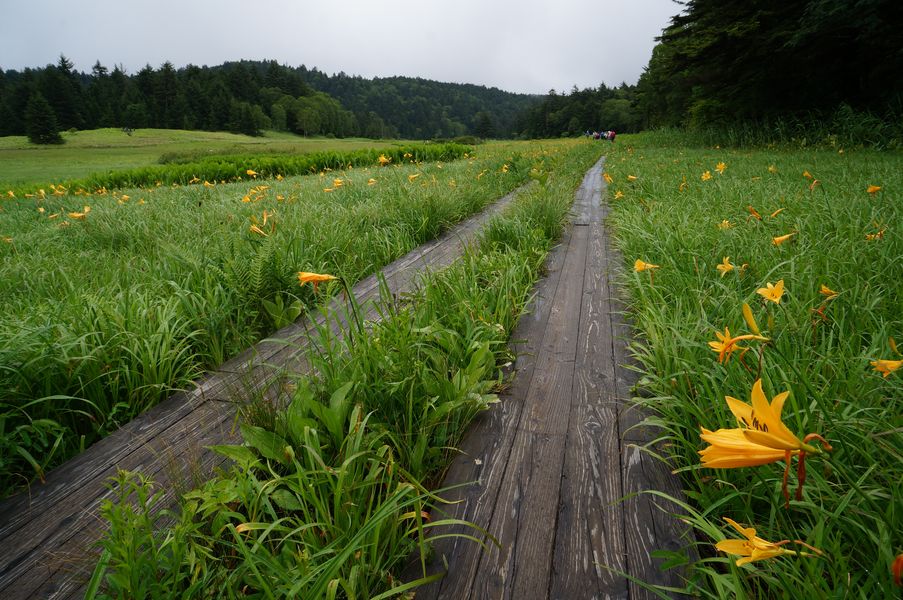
{"type": "Point", "coordinates": [639, 266]}
{"type": "Point", "coordinates": [605, 176]}
{"type": "Point", "coordinates": [706, 175]}
{"type": "Point", "coordinates": [772, 293]}
{"type": "Point", "coordinates": [752, 547]}
{"type": "Point", "coordinates": [721, 167]}
{"type": "Point", "coordinates": [873, 189]}
{"type": "Point", "coordinates": [314, 278]}
{"type": "Point", "coordinates": [777, 241]}
{"type": "Point", "coordinates": [725, 266]}
{"type": "Point", "coordinates": [725, 224]}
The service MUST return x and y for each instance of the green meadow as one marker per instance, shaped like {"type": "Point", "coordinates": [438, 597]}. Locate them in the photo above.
{"type": "Point", "coordinates": [114, 298]}
{"type": "Point", "coordinates": [100, 150]}
{"type": "Point", "coordinates": [810, 241]}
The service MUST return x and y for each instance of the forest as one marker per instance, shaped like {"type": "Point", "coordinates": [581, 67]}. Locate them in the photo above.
{"type": "Point", "coordinates": [250, 96]}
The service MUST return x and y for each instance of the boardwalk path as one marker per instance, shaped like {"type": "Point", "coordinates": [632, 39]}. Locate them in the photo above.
{"type": "Point", "coordinates": [554, 458]}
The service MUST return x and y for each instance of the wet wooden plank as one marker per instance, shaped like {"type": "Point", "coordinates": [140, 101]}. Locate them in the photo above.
{"type": "Point", "coordinates": [590, 526]}
{"type": "Point", "coordinates": [478, 469]}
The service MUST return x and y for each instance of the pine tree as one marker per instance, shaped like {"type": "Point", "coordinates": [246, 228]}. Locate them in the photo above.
{"type": "Point", "coordinates": [40, 121]}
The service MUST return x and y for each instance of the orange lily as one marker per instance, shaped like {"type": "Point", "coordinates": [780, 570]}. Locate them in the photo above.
{"type": "Point", "coordinates": [725, 266]}
{"type": "Point", "coordinates": [772, 293]}
{"type": "Point", "coordinates": [752, 548]}
{"type": "Point", "coordinates": [640, 266]}
{"type": "Point", "coordinates": [607, 178]}
{"type": "Point", "coordinates": [314, 278]}
{"type": "Point", "coordinates": [873, 189]}
{"type": "Point", "coordinates": [619, 194]}
{"type": "Point", "coordinates": [725, 224]}
{"type": "Point", "coordinates": [763, 439]}
{"type": "Point", "coordinates": [753, 213]}
{"type": "Point", "coordinates": [726, 343]}
{"type": "Point", "coordinates": [828, 292]}
{"type": "Point", "coordinates": [896, 570]}
{"type": "Point", "coordinates": [706, 175]}
{"type": "Point", "coordinates": [886, 367]}
{"type": "Point", "coordinates": [384, 160]}
{"type": "Point", "coordinates": [720, 167]}
{"type": "Point", "coordinates": [413, 176]}
{"type": "Point", "coordinates": [777, 241]}
{"type": "Point", "coordinates": [631, 178]}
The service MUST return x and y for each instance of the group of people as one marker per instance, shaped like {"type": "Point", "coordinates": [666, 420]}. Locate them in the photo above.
{"type": "Point", "coordinates": [602, 135]}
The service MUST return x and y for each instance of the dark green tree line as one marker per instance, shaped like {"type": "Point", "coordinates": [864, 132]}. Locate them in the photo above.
{"type": "Point", "coordinates": [738, 60]}
{"type": "Point", "coordinates": [249, 96]}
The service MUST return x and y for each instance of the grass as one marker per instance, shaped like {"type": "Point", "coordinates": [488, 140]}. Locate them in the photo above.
{"type": "Point", "coordinates": [107, 312]}
{"type": "Point", "coordinates": [328, 497]}
{"type": "Point", "coordinates": [820, 348]}
{"type": "Point", "coordinates": [103, 150]}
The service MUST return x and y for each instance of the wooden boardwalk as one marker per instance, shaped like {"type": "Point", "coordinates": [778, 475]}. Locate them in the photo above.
{"type": "Point", "coordinates": [551, 463]}
{"type": "Point", "coordinates": [552, 460]}
{"type": "Point", "coordinates": [48, 535]}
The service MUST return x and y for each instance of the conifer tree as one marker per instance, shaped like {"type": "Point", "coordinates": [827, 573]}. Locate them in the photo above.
{"type": "Point", "coordinates": [40, 121]}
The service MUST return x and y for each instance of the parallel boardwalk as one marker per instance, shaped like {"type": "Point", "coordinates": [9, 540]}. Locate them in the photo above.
{"type": "Point", "coordinates": [551, 463]}
{"type": "Point", "coordinates": [48, 535]}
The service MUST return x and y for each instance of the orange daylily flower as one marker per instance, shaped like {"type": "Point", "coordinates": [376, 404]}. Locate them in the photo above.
{"type": "Point", "coordinates": [631, 178]}
{"type": "Point", "coordinates": [258, 231]}
{"type": "Point", "coordinates": [886, 367]}
{"type": "Point", "coordinates": [80, 215]}
{"type": "Point", "coordinates": [771, 292]}
{"type": "Point", "coordinates": [814, 183]}
{"type": "Point", "coordinates": [772, 169]}
{"type": "Point", "coordinates": [873, 189]}
{"type": "Point", "coordinates": [776, 213]}
{"type": "Point", "coordinates": [777, 241]}
{"type": "Point", "coordinates": [753, 213]}
{"type": "Point", "coordinates": [762, 439]}
{"type": "Point", "coordinates": [750, 320]}
{"type": "Point", "coordinates": [251, 172]}
{"type": "Point", "coordinates": [807, 175]}
{"type": "Point", "coordinates": [896, 570]}
{"type": "Point", "coordinates": [384, 160]}
{"type": "Point", "coordinates": [828, 292]}
{"type": "Point", "coordinates": [752, 548]}
{"type": "Point", "coordinates": [640, 266]}
{"type": "Point", "coordinates": [876, 236]}
{"type": "Point", "coordinates": [413, 176]}
{"type": "Point", "coordinates": [619, 194]}
{"type": "Point", "coordinates": [371, 181]}
{"type": "Point", "coordinates": [706, 175]}
{"type": "Point", "coordinates": [720, 167]}
{"type": "Point", "coordinates": [607, 178]}
{"type": "Point", "coordinates": [727, 344]}
{"type": "Point", "coordinates": [725, 266]}
{"type": "Point", "coordinates": [725, 224]}
{"type": "Point", "coordinates": [314, 278]}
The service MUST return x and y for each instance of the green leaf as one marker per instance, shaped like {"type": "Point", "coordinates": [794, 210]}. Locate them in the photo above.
{"type": "Point", "coordinates": [269, 444]}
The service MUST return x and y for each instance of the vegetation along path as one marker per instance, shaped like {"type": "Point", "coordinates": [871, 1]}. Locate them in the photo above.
{"type": "Point", "coordinates": [546, 470]}
{"type": "Point", "coordinates": [552, 461]}
{"type": "Point", "coordinates": [49, 534]}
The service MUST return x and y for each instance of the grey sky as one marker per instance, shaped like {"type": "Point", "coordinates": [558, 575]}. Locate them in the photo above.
{"type": "Point", "coordinates": [519, 46]}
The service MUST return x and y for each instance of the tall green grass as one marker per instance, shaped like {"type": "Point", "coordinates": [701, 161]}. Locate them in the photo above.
{"type": "Point", "coordinates": [819, 349]}
{"type": "Point", "coordinates": [104, 316]}
{"type": "Point", "coordinates": [328, 496]}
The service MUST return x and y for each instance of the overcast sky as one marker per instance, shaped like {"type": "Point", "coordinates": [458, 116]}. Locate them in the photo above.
{"type": "Point", "coordinates": [516, 45]}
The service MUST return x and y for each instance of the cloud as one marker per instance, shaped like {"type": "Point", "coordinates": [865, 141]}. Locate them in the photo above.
{"type": "Point", "coordinates": [528, 46]}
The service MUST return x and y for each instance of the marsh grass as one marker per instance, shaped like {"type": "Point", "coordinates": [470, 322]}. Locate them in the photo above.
{"type": "Point", "coordinates": [106, 315]}
{"type": "Point", "coordinates": [819, 349]}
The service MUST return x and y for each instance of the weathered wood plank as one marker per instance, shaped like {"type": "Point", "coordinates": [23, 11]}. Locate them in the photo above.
{"type": "Point", "coordinates": [523, 521]}
{"type": "Point", "coordinates": [590, 527]}
{"type": "Point", "coordinates": [649, 524]}
{"type": "Point", "coordinates": [478, 469]}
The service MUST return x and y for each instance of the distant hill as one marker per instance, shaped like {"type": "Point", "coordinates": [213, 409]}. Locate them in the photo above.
{"type": "Point", "coordinates": [249, 96]}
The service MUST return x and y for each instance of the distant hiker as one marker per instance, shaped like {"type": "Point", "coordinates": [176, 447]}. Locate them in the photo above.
{"type": "Point", "coordinates": [611, 136]}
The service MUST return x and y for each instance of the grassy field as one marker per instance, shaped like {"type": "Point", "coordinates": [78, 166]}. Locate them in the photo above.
{"type": "Point", "coordinates": [99, 150]}
{"type": "Point", "coordinates": [113, 299]}
{"type": "Point", "coordinates": [811, 242]}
